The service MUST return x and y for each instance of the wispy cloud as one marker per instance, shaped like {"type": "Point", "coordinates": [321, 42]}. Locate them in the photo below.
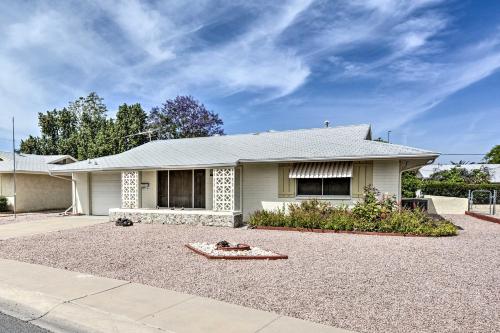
{"type": "Point", "coordinates": [300, 53]}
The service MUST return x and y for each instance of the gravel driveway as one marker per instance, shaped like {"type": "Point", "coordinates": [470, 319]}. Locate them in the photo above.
{"type": "Point", "coordinates": [362, 283]}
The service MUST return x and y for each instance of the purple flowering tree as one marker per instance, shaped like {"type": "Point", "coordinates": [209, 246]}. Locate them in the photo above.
{"type": "Point", "coordinates": [184, 117]}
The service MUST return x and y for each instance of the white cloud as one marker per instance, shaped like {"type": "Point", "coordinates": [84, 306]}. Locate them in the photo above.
{"type": "Point", "coordinates": [148, 51]}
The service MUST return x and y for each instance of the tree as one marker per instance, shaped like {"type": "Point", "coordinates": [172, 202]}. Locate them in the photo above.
{"type": "Point", "coordinates": [81, 130]}
{"type": "Point", "coordinates": [493, 156]}
{"type": "Point", "coordinates": [130, 120]}
{"type": "Point", "coordinates": [462, 175]}
{"type": "Point", "coordinates": [184, 117]}
{"type": "Point", "coordinates": [94, 137]}
{"type": "Point", "coordinates": [410, 183]}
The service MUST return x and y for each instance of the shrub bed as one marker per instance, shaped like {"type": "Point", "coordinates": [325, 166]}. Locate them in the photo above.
{"type": "Point", "coordinates": [3, 203]}
{"type": "Point", "coordinates": [370, 215]}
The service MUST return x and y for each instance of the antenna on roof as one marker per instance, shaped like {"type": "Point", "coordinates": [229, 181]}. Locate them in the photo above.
{"type": "Point", "coordinates": [327, 123]}
{"type": "Point", "coordinates": [149, 132]}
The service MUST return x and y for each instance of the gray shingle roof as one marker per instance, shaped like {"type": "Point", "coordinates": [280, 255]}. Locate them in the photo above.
{"type": "Point", "coordinates": [334, 143]}
{"type": "Point", "coordinates": [29, 163]}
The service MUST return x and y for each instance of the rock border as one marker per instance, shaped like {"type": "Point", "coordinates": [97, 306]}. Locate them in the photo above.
{"type": "Point", "coordinates": [483, 217]}
{"type": "Point", "coordinates": [208, 256]}
{"type": "Point", "coordinates": [328, 231]}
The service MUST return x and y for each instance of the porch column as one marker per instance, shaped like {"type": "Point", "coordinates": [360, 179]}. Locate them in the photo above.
{"type": "Point", "coordinates": [130, 189]}
{"type": "Point", "coordinates": [223, 189]}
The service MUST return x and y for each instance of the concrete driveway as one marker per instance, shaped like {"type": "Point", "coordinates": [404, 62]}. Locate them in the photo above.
{"type": "Point", "coordinates": [34, 227]}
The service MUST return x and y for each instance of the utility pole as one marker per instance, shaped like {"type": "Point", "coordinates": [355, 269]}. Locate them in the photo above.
{"type": "Point", "coordinates": [389, 136]}
{"type": "Point", "coordinates": [14, 162]}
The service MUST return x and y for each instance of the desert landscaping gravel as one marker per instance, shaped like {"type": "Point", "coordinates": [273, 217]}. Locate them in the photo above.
{"type": "Point", "coordinates": [357, 282]}
{"type": "Point", "coordinates": [7, 218]}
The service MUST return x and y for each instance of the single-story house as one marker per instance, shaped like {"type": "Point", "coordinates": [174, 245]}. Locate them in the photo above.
{"type": "Point", "coordinates": [36, 188]}
{"type": "Point", "coordinates": [427, 171]}
{"type": "Point", "coordinates": [221, 180]}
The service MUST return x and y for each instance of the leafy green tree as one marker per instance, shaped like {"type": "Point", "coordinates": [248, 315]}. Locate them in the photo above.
{"type": "Point", "coordinates": [130, 120]}
{"type": "Point", "coordinates": [462, 175]}
{"type": "Point", "coordinates": [94, 138]}
{"type": "Point", "coordinates": [493, 156]}
{"type": "Point", "coordinates": [410, 183]}
{"type": "Point", "coordinates": [81, 130]}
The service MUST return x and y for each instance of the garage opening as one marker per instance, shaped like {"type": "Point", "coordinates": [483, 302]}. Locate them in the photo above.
{"type": "Point", "coordinates": [105, 192]}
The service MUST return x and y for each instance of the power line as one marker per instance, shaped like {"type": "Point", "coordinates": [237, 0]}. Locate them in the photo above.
{"type": "Point", "coordinates": [456, 154]}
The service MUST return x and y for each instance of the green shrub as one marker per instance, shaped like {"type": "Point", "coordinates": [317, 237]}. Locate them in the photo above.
{"type": "Point", "coordinates": [459, 190]}
{"type": "Point", "coordinates": [371, 209]}
{"type": "Point", "coordinates": [3, 203]}
{"type": "Point", "coordinates": [371, 214]}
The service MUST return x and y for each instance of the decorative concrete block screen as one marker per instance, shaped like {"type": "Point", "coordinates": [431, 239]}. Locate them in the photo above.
{"type": "Point", "coordinates": [223, 182]}
{"type": "Point", "coordinates": [130, 189]}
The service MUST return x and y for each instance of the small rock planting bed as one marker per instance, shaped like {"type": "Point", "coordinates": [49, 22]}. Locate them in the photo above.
{"type": "Point", "coordinates": [233, 251]}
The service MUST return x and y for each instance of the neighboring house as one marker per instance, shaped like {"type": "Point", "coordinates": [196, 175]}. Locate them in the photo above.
{"type": "Point", "coordinates": [36, 188]}
{"type": "Point", "coordinates": [427, 171]}
{"type": "Point", "coordinates": [220, 180]}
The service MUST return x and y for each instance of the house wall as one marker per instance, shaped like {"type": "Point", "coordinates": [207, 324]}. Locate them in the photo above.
{"type": "Point", "coordinates": [209, 189]}
{"type": "Point", "coordinates": [149, 195]}
{"type": "Point", "coordinates": [36, 192]}
{"type": "Point", "coordinates": [261, 185]}
{"type": "Point", "coordinates": [81, 195]}
{"type": "Point", "coordinates": [386, 177]}
{"type": "Point", "coordinates": [7, 188]}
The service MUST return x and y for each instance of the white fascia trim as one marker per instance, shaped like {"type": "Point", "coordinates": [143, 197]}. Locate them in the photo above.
{"type": "Point", "coordinates": [342, 158]}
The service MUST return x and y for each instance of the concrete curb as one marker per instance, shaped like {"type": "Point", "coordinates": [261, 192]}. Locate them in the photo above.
{"type": "Point", "coordinates": [64, 301]}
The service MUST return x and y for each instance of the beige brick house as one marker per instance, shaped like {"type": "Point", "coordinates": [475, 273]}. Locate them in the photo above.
{"type": "Point", "coordinates": [37, 189]}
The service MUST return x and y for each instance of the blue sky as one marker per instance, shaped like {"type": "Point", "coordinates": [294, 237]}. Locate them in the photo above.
{"type": "Point", "coordinates": [425, 69]}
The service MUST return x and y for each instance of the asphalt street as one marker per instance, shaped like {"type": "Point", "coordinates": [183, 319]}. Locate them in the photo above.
{"type": "Point", "coordinates": [10, 324]}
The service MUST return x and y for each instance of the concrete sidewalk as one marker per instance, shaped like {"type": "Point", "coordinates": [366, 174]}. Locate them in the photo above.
{"type": "Point", "coordinates": [64, 301]}
{"type": "Point", "coordinates": [29, 228]}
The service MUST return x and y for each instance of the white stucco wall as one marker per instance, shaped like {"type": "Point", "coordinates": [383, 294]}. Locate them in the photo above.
{"type": "Point", "coordinates": [81, 195]}
{"type": "Point", "coordinates": [386, 177]}
{"type": "Point", "coordinates": [209, 189]}
{"type": "Point", "coordinates": [149, 195]}
{"type": "Point", "coordinates": [446, 205]}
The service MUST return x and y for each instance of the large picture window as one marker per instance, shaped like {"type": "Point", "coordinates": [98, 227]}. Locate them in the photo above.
{"type": "Point", "coordinates": [324, 186]}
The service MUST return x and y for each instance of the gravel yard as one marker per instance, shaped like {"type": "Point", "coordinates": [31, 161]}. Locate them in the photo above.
{"type": "Point", "coordinates": [7, 218]}
{"type": "Point", "coordinates": [362, 283]}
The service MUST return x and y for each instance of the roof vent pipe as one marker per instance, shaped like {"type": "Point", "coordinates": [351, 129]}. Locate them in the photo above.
{"type": "Point", "coordinates": [327, 123]}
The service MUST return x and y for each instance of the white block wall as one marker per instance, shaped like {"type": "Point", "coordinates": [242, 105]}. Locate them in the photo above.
{"type": "Point", "coordinates": [386, 177]}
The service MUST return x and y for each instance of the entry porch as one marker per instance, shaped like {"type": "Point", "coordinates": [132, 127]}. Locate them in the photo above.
{"type": "Point", "coordinates": [210, 196]}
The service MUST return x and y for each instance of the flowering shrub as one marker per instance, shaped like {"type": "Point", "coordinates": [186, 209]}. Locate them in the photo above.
{"type": "Point", "coordinates": [372, 214]}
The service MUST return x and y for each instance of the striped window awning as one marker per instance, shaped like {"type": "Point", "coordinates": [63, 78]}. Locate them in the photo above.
{"type": "Point", "coordinates": [321, 170]}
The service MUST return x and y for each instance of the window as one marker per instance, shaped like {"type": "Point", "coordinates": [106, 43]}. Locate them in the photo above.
{"type": "Point", "coordinates": [323, 186]}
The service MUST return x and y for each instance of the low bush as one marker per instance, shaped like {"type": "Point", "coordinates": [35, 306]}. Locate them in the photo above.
{"type": "Point", "coordinates": [372, 214]}
{"type": "Point", "coordinates": [459, 190]}
{"type": "Point", "coordinates": [3, 203]}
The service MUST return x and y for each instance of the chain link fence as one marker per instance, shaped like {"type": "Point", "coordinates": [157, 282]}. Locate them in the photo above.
{"type": "Point", "coordinates": [483, 202]}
